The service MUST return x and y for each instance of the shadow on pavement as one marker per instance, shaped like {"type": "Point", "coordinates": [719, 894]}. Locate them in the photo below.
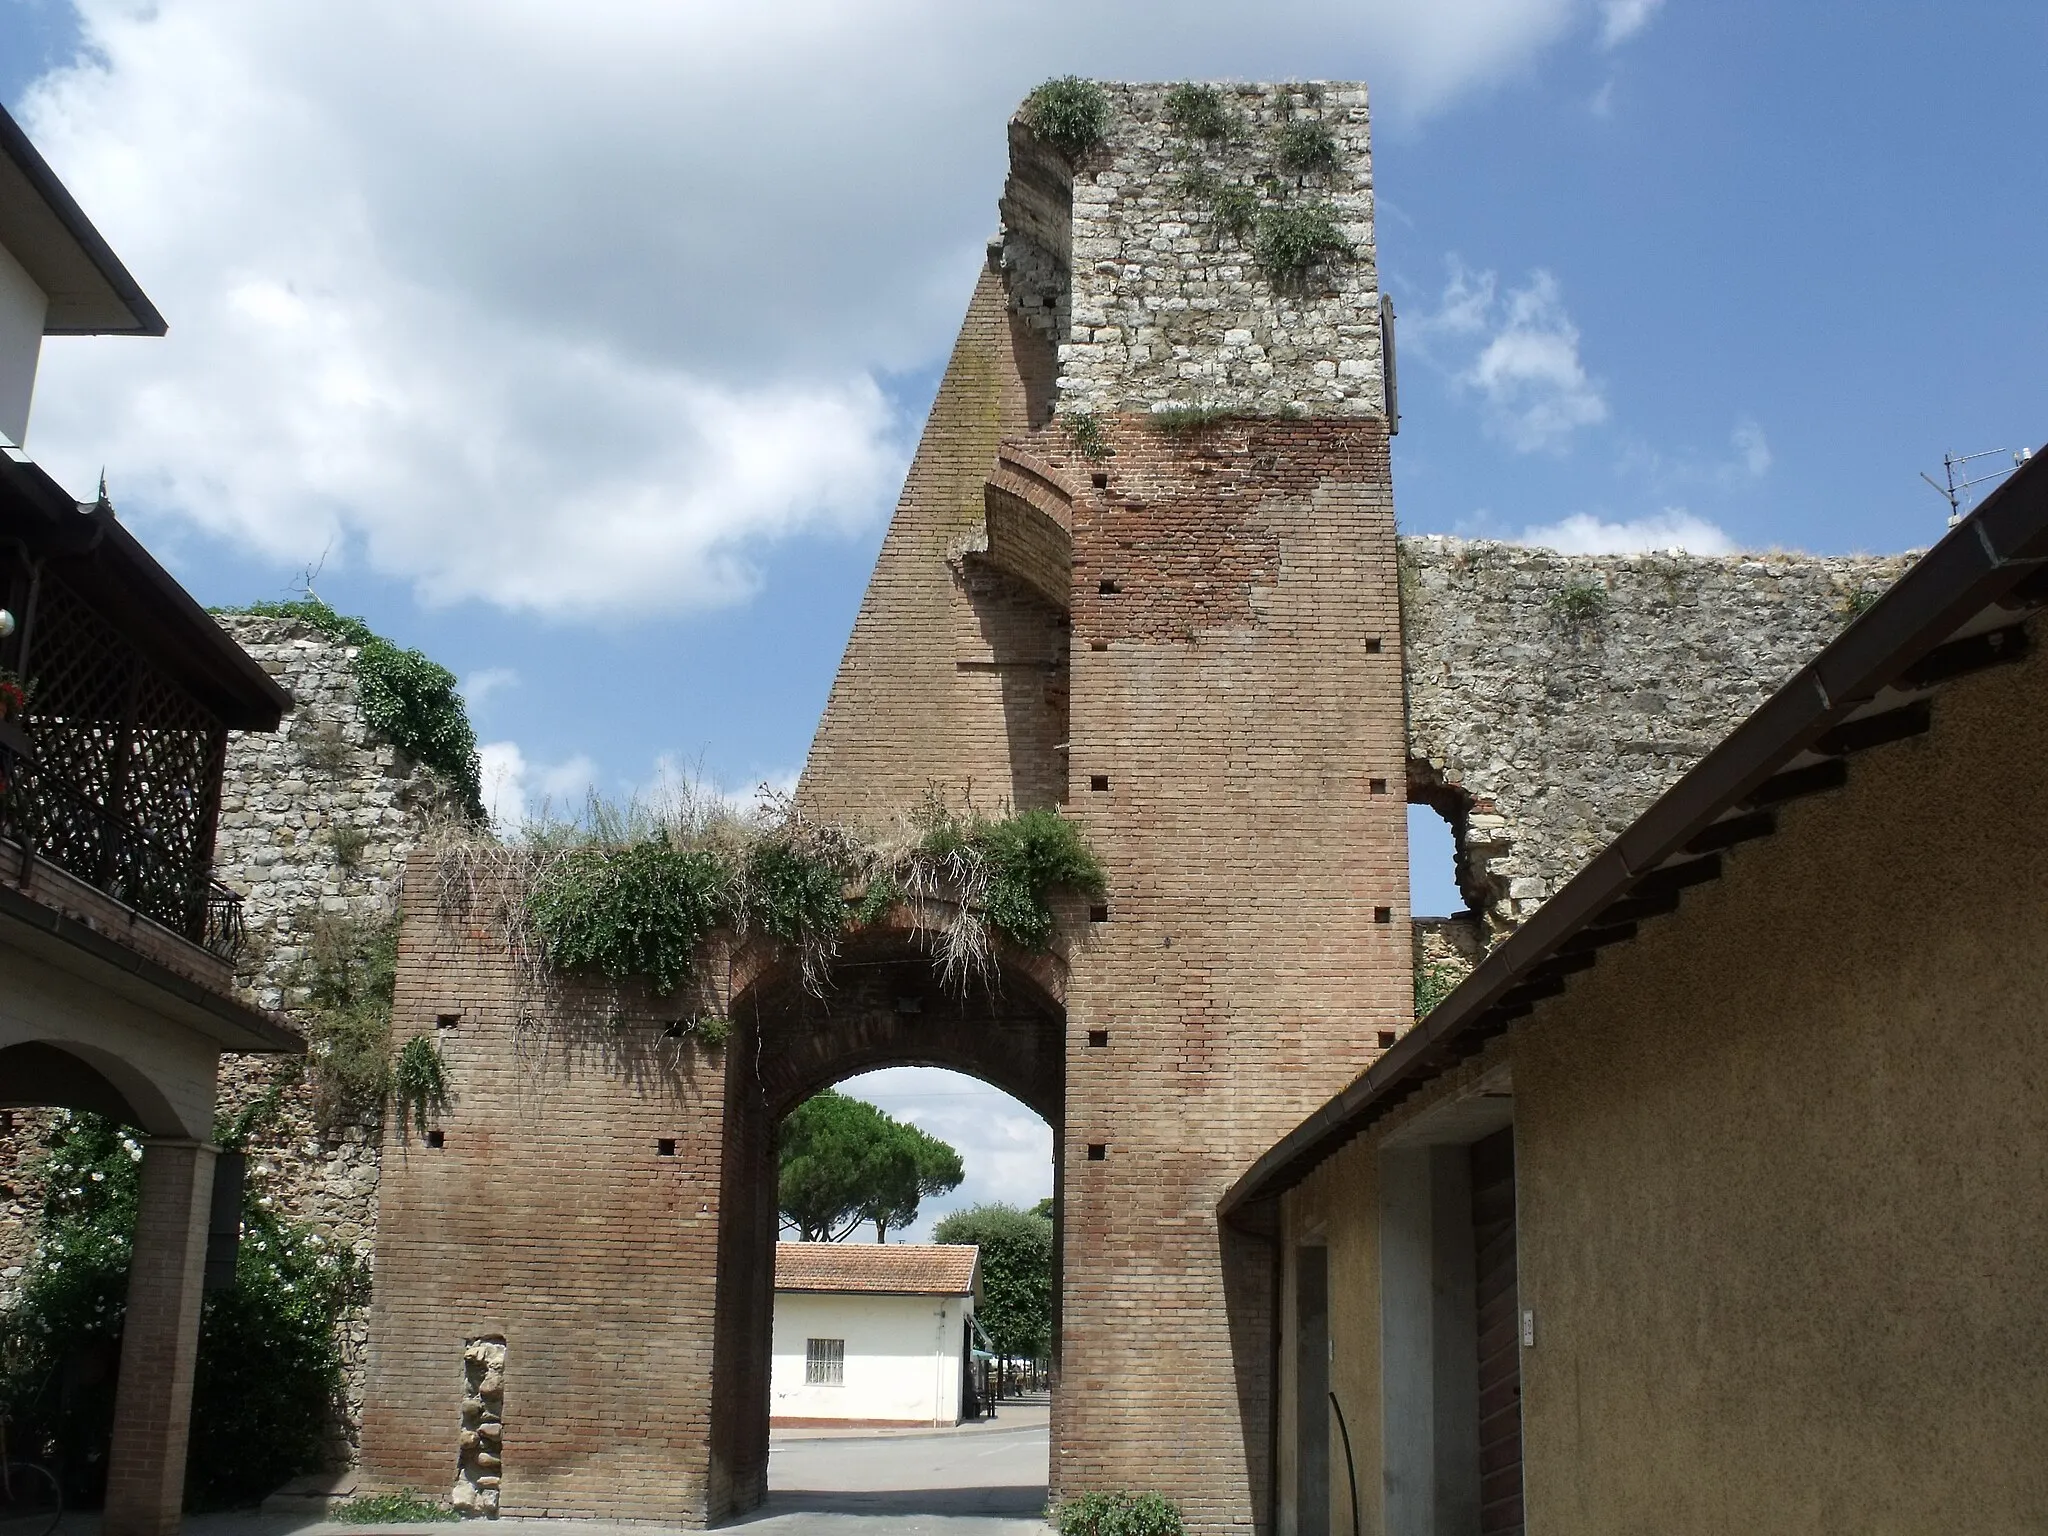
{"type": "Point", "coordinates": [1026, 1502]}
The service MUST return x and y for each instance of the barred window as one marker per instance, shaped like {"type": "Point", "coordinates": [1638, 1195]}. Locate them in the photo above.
{"type": "Point", "coordinates": [825, 1362]}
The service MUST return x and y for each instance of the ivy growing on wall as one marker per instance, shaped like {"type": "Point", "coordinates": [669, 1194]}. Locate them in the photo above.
{"type": "Point", "coordinates": [408, 700]}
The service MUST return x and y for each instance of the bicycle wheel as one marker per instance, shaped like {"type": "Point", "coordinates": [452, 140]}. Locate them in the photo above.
{"type": "Point", "coordinates": [31, 1504]}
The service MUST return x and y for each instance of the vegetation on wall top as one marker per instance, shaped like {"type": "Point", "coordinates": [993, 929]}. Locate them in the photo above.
{"type": "Point", "coordinates": [632, 893]}
{"type": "Point", "coordinates": [408, 700]}
{"type": "Point", "coordinates": [1200, 112]}
{"type": "Point", "coordinates": [1070, 114]}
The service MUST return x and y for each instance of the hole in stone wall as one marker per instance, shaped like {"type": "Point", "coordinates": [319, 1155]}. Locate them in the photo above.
{"type": "Point", "coordinates": [1386, 1038]}
{"type": "Point", "coordinates": [447, 1020]}
{"type": "Point", "coordinates": [1432, 864]}
{"type": "Point", "coordinates": [1372, 646]}
{"type": "Point", "coordinates": [436, 1139]}
{"type": "Point", "coordinates": [1099, 479]}
{"type": "Point", "coordinates": [1109, 588]}
{"type": "Point", "coordinates": [1098, 781]}
{"type": "Point", "coordinates": [665, 1146]}
{"type": "Point", "coordinates": [1383, 914]}
{"type": "Point", "coordinates": [1097, 1152]}
{"type": "Point", "coordinates": [1377, 786]}
{"type": "Point", "coordinates": [1098, 1037]}
{"type": "Point", "coordinates": [1098, 645]}
{"type": "Point", "coordinates": [1098, 914]}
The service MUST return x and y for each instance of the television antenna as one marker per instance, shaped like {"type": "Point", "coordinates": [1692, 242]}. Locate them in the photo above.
{"type": "Point", "coordinates": [1960, 479]}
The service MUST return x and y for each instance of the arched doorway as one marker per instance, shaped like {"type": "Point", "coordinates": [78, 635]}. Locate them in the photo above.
{"type": "Point", "coordinates": [885, 1003]}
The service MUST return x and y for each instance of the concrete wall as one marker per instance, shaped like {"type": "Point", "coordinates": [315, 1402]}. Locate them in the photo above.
{"type": "Point", "coordinates": [23, 306]}
{"type": "Point", "coordinates": [1778, 1189]}
{"type": "Point", "coordinates": [902, 1357]}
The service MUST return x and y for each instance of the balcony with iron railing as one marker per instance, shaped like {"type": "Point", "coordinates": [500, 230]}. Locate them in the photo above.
{"type": "Point", "coordinates": [111, 771]}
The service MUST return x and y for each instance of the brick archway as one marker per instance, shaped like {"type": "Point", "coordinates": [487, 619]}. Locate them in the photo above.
{"type": "Point", "coordinates": [884, 1005]}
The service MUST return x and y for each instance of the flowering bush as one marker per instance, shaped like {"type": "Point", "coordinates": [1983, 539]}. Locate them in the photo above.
{"type": "Point", "coordinates": [269, 1366]}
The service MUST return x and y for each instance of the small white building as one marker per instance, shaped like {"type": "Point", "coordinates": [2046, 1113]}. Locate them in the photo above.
{"type": "Point", "coordinates": [872, 1333]}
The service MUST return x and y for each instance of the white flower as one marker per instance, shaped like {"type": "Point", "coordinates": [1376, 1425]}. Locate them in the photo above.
{"type": "Point", "coordinates": [98, 1177]}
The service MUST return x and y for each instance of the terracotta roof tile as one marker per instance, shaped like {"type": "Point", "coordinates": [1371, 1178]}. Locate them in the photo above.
{"type": "Point", "coordinates": [883, 1269]}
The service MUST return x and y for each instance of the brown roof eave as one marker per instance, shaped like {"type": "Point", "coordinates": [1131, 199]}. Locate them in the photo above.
{"type": "Point", "coordinates": [2001, 544]}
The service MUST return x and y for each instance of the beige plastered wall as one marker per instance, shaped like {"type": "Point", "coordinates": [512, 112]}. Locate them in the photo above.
{"type": "Point", "coordinates": [1782, 1174]}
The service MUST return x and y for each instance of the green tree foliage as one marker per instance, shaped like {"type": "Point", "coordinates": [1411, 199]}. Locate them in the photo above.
{"type": "Point", "coordinates": [1296, 237]}
{"type": "Point", "coordinates": [410, 701]}
{"type": "Point", "coordinates": [1016, 1274]}
{"type": "Point", "coordinates": [269, 1361]}
{"type": "Point", "coordinates": [350, 973]}
{"type": "Point", "coordinates": [844, 1162]}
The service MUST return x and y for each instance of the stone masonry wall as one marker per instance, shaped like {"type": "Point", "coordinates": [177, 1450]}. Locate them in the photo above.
{"type": "Point", "coordinates": [316, 820]}
{"type": "Point", "coordinates": [1162, 304]}
{"type": "Point", "coordinates": [1552, 697]}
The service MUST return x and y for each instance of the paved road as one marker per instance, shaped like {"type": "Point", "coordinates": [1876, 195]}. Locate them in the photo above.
{"type": "Point", "coordinates": [984, 1482]}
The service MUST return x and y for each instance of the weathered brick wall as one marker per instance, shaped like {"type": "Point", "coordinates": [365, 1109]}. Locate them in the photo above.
{"type": "Point", "coordinates": [1237, 699]}
{"type": "Point", "coordinates": [955, 674]}
{"type": "Point", "coordinates": [549, 1216]}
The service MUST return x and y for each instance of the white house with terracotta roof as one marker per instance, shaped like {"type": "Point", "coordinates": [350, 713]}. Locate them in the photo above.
{"type": "Point", "coordinates": [872, 1333]}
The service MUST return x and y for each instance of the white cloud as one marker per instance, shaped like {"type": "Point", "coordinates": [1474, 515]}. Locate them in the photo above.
{"type": "Point", "coordinates": [1673, 529]}
{"type": "Point", "coordinates": [1526, 370]}
{"type": "Point", "coordinates": [1621, 20]}
{"type": "Point", "coordinates": [515, 790]}
{"type": "Point", "coordinates": [575, 311]}
{"type": "Point", "coordinates": [478, 687]}
{"type": "Point", "coordinates": [1752, 449]}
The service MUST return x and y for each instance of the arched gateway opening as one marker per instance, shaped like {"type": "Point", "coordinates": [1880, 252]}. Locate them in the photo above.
{"type": "Point", "coordinates": [885, 1003]}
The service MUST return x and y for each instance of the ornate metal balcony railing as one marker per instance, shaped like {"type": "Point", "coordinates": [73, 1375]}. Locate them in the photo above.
{"type": "Point", "coordinates": [113, 773]}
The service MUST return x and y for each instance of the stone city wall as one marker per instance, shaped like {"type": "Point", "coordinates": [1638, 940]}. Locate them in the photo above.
{"type": "Point", "coordinates": [1552, 697]}
{"type": "Point", "coordinates": [1153, 300]}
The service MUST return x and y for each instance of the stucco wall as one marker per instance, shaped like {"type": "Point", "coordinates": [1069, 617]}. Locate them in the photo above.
{"type": "Point", "coordinates": [1779, 1173]}
{"type": "Point", "coordinates": [1782, 1189]}
{"type": "Point", "coordinates": [902, 1357]}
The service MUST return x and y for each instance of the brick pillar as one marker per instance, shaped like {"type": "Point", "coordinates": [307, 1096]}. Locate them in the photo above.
{"type": "Point", "coordinates": [160, 1340]}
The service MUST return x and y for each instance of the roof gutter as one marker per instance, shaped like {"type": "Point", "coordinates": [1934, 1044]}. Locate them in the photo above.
{"type": "Point", "coordinates": [1996, 548]}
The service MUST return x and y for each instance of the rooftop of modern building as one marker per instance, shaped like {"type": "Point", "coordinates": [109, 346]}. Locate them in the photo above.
{"type": "Point", "coordinates": [90, 292]}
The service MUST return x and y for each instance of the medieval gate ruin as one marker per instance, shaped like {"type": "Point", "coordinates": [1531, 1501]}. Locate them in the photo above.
{"type": "Point", "coordinates": [1144, 569]}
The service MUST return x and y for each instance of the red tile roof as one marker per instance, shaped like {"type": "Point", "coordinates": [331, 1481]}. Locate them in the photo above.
{"type": "Point", "coordinates": [879, 1269]}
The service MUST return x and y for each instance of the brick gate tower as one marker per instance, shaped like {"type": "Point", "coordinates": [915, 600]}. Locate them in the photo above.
{"type": "Point", "coordinates": [1144, 568]}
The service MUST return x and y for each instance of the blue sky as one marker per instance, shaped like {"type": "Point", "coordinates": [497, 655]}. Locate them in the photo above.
{"type": "Point", "coordinates": [514, 317]}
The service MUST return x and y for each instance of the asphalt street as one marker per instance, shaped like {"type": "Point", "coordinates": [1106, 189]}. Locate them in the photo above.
{"type": "Point", "coordinates": [984, 1482]}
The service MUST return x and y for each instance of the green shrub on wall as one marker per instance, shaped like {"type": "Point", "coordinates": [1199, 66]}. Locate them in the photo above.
{"type": "Point", "coordinates": [639, 910]}
{"type": "Point", "coordinates": [1070, 114]}
{"type": "Point", "coordinates": [408, 700]}
{"type": "Point", "coordinates": [269, 1361]}
{"type": "Point", "coordinates": [631, 903]}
